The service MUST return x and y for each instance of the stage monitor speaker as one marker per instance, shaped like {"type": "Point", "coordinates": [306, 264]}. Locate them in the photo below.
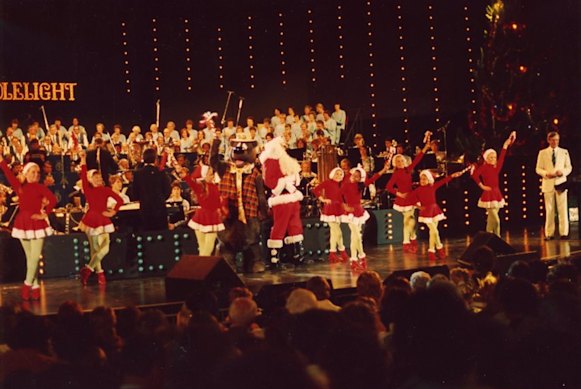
{"type": "Point", "coordinates": [192, 272]}
{"type": "Point", "coordinates": [431, 270]}
{"type": "Point", "coordinates": [274, 296]}
{"type": "Point", "coordinates": [499, 246]}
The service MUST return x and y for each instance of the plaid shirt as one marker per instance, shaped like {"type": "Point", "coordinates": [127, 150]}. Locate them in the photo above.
{"type": "Point", "coordinates": [249, 194]}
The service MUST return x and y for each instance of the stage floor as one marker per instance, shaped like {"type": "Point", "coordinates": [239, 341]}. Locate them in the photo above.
{"type": "Point", "coordinates": [385, 259]}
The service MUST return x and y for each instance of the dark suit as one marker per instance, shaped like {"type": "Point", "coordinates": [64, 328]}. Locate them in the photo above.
{"type": "Point", "coordinates": [151, 188]}
{"type": "Point", "coordinates": [105, 163]}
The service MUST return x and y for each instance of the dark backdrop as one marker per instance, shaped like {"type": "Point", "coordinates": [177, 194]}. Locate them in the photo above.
{"type": "Point", "coordinates": [82, 41]}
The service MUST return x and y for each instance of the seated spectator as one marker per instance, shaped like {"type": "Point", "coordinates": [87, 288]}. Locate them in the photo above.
{"type": "Point", "coordinates": [301, 300]}
{"type": "Point", "coordinates": [239, 291]}
{"type": "Point", "coordinates": [322, 291]}
{"type": "Point", "coordinates": [243, 330]}
{"type": "Point", "coordinates": [419, 280]}
{"type": "Point", "coordinates": [369, 285]}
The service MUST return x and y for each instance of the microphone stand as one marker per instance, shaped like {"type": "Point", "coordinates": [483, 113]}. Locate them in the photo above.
{"type": "Point", "coordinates": [230, 93]}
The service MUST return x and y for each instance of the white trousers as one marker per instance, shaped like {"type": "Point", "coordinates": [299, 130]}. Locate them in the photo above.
{"type": "Point", "coordinates": [560, 199]}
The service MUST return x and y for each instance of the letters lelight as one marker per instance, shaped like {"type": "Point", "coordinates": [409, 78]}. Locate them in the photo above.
{"type": "Point", "coordinates": [37, 91]}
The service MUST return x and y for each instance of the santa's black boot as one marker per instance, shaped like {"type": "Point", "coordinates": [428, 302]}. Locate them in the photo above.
{"type": "Point", "coordinates": [275, 260]}
{"type": "Point", "coordinates": [299, 254]}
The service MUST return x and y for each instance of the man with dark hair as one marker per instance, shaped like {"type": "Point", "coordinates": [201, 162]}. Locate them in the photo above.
{"type": "Point", "coordinates": [101, 159]}
{"type": "Point", "coordinates": [151, 187]}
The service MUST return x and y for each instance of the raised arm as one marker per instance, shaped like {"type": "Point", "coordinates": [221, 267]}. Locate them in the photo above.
{"type": "Point", "coordinates": [12, 180]}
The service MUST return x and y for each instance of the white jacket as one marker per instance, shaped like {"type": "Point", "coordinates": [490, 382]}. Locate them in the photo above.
{"type": "Point", "coordinates": [545, 166]}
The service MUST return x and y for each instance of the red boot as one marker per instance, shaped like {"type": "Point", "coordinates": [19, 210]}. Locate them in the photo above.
{"type": "Point", "coordinates": [344, 256]}
{"type": "Point", "coordinates": [441, 253]}
{"type": "Point", "coordinates": [414, 243]}
{"type": "Point", "coordinates": [25, 292]}
{"type": "Point", "coordinates": [363, 263]}
{"type": "Point", "coordinates": [101, 280]}
{"type": "Point", "coordinates": [333, 259]}
{"type": "Point", "coordinates": [35, 293]}
{"type": "Point", "coordinates": [432, 256]}
{"type": "Point", "coordinates": [406, 248]}
{"type": "Point", "coordinates": [85, 273]}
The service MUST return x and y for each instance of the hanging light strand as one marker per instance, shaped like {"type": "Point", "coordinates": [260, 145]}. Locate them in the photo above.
{"type": "Point", "coordinates": [311, 45]}
{"type": "Point", "coordinates": [282, 49]}
{"type": "Point", "coordinates": [471, 68]}
{"type": "Point", "coordinates": [188, 53]}
{"type": "Point", "coordinates": [435, 81]}
{"type": "Point", "coordinates": [371, 66]}
{"type": "Point", "coordinates": [403, 73]}
{"type": "Point", "coordinates": [156, 71]}
{"type": "Point", "coordinates": [251, 52]}
{"type": "Point", "coordinates": [340, 43]}
{"type": "Point", "coordinates": [220, 53]}
{"type": "Point", "coordinates": [125, 48]}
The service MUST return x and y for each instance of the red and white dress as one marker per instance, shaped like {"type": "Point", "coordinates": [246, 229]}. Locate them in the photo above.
{"type": "Point", "coordinates": [487, 174]}
{"type": "Point", "coordinates": [332, 212]}
{"type": "Point", "coordinates": [94, 222]}
{"type": "Point", "coordinates": [401, 181]}
{"type": "Point", "coordinates": [352, 196]}
{"type": "Point", "coordinates": [425, 198]}
{"type": "Point", "coordinates": [31, 196]}
{"type": "Point", "coordinates": [207, 218]}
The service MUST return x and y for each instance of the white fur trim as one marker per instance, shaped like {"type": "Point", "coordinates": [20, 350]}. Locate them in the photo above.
{"type": "Point", "coordinates": [294, 239]}
{"type": "Point", "coordinates": [272, 149]}
{"type": "Point", "coordinates": [428, 175]}
{"type": "Point", "coordinates": [331, 218]}
{"type": "Point", "coordinates": [280, 185]}
{"type": "Point", "coordinates": [210, 228]}
{"type": "Point", "coordinates": [93, 231]}
{"type": "Point", "coordinates": [332, 173]}
{"type": "Point", "coordinates": [436, 218]}
{"type": "Point", "coordinates": [487, 152]}
{"type": "Point", "coordinates": [491, 204]}
{"type": "Point", "coordinates": [403, 209]}
{"type": "Point", "coordinates": [27, 167]}
{"type": "Point", "coordinates": [285, 199]}
{"type": "Point", "coordinates": [274, 244]}
{"type": "Point", "coordinates": [355, 220]}
{"type": "Point", "coordinates": [32, 234]}
{"type": "Point", "coordinates": [361, 171]}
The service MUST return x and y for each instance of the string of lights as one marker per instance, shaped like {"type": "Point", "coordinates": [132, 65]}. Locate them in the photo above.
{"type": "Point", "coordinates": [220, 50]}
{"type": "Point", "coordinates": [470, 57]}
{"type": "Point", "coordinates": [340, 43]}
{"type": "Point", "coordinates": [371, 69]}
{"type": "Point", "coordinates": [125, 66]}
{"type": "Point", "coordinates": [156, 71]}
{"type": "Point", "coordinates": [402, 60]}
{"type": "Point", "coordinates": [524, 191]}
{"type": "Point", "coordinates": [188, 53]}
{"type": "Point", "coordinates": [311, 45]}
{"type": "Point", "coordinates": [434, 64]}
{"type": "Point", "coordinates": [251, 53]}
{"type": "Point", "coordinates": [282, 49]}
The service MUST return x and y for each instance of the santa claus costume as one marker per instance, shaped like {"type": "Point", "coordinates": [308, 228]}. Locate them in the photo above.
{"type": "Point", "coordinates": [96, 223]}
{"type": "Point", "coordinates": [430, 213]}
{"type": "Point", "coordinates": [207, 219]}
{"type": "Point", "coordinates": [329, 193]}
{"type": "Point", "coordinates": [355, 215]}
{"type": "Point", "coordinates": [282, 175]}
{"type": "Point", "coordinates": [486, 177]}
{"type": "Point", "coordinates": [31, 225]}
{"type": "Point", "coordinates": [400, 185]}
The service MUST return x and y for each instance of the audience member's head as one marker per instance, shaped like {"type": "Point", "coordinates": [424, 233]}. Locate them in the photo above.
{"type": "Point", "coordinates": [484, 260]}
{"type": "Point", "coordinates": [239, 291]}
{"type": "Point", "coordinates": [419, 280]}
{"type": "Point", "coordinates": [369, 285]}
{"type": "Point", "coordinates": [242, 312]}
{"type": "Point", "coordinates": [519, 269]}
{"type": "Point", "coordinates": [320, 287]}
{"type": "Point", "coordinates": [300, 300]}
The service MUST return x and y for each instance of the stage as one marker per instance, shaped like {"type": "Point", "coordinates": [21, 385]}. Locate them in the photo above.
{"type": "Point", "coordinates": [150, 292]}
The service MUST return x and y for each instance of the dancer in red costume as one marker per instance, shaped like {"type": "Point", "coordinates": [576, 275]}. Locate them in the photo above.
{"type": "Point", "coordinates": [430, 213]}
{"type": "Point", "coordinates": [329, 193]}
{"type": "Point", "coordinates": [31, 225]}
{"type": "Point", "coordinates": [207, 220]}
{"type": "Point", "coordinates": [282, 176]}
{"type": "Point", "coordinates": [355, 215]}
{"type": "Point", "coordinates": [486, 176]}
{"type": "Point", "coordinates": [400, 185]}
{"type": "Point", "coordinates": [96, 223]}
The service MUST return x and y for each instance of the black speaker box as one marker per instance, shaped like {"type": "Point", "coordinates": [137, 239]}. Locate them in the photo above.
{"type": "Point", "coordinates": [431, 270]}
{"type": "Point", "coordinates": [274, 296]}
{"type": "Point", "coordinates": [193, 271]}
{"type": "Point", "coordinates": [499, 246]}
{"type": "Point", "coordinates": [12, 259]}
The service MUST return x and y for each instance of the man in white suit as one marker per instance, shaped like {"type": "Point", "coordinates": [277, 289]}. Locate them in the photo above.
{"type": "Point", "coordinates": [554, 165]}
